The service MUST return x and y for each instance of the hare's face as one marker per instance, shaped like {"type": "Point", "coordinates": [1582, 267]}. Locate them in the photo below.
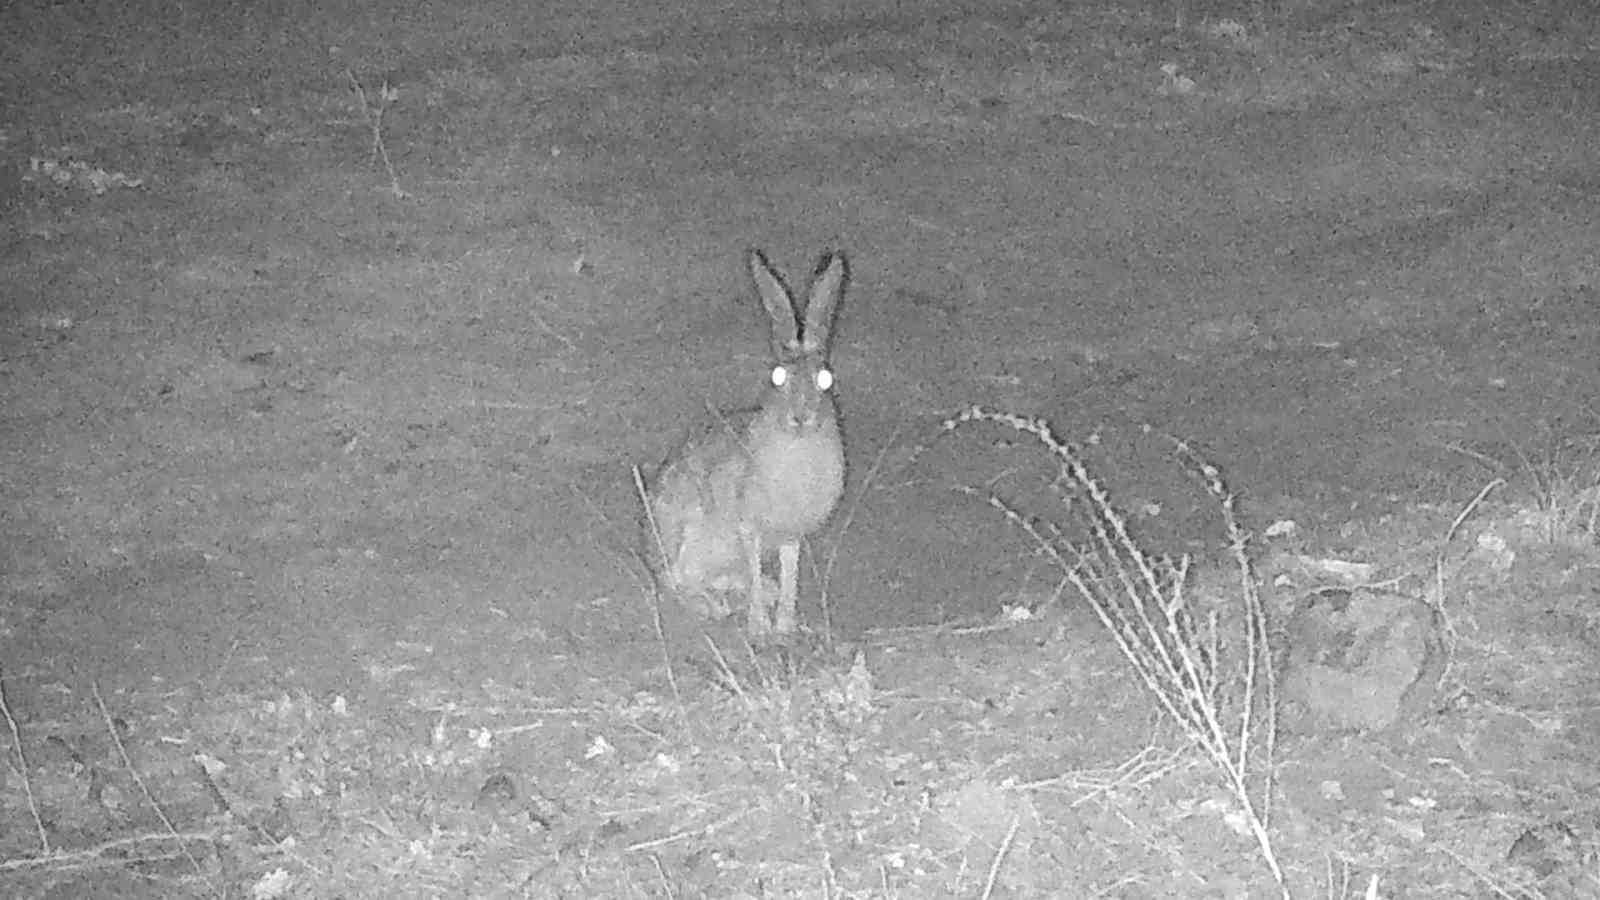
{"type": "Point", "coordinates": [803, 393]}
{"type": "Point", "coordinates": [801, 401]}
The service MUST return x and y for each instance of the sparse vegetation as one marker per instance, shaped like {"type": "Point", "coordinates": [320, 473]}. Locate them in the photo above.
{"type": "Point", "coordinates": [1222, 693]}
{"type": "Point", "coordinates": [317, 570]}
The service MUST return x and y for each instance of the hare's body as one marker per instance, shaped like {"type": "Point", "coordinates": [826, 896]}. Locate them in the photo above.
{"type": "Point", "coordinates": [762, 480]}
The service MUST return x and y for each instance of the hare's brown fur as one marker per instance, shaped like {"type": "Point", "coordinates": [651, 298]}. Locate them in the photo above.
{"type": "Point", "coordinates": [760, 480]}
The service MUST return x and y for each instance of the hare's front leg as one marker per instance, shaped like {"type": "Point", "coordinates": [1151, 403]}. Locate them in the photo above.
{"type": "Point", "coordinates": [788, 587]}
{"type": "Point", "coordinates": [760, 621]}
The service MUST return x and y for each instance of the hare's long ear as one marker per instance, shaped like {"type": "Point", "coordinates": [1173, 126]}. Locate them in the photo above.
{"type": "Point", "coordinates": [779, 303]}
{"type": "Point", "coordinates": [827, 287]}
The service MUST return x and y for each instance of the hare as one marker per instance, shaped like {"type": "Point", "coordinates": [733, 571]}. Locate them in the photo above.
{"type": "Point", "coordinates": [761, 479]}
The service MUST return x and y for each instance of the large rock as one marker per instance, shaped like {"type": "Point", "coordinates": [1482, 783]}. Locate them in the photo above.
{"type": "Point", "coordinates": [1360, 659]}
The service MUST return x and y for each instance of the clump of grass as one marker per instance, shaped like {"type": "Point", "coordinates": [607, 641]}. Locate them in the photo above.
{"type": "Point", "coordinates": [1562, 474]}
{"type": "Point", "coordinates": [1220, 691]}
{"type": "Point", "coordinates": [1566, 484]}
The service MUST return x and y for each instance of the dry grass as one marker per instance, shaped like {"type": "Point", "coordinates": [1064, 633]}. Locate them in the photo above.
{"type": "Point", "coordinates": [1012, 759]}
{"type": "Point", "coordinates": [1560, 474]}
{"type": "Point", "coordinates": [1227, 707]}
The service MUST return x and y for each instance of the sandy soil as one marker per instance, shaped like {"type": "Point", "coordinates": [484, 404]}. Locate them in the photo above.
{"type": "Point", "coordinates": [329, 339]}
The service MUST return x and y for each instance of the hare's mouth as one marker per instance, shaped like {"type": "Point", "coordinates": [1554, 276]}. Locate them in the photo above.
{"type": "Point", "coordinates": [805, 419]}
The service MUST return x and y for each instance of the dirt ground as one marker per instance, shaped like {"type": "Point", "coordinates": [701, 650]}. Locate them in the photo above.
{"type": "Point", "coordinates": [332, 331]}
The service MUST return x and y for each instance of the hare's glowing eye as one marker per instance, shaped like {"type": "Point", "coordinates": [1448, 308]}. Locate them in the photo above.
{"type": "Point", "coordinates": [780, 376]}
{"type": "Point", "coordinates": [824, 379]}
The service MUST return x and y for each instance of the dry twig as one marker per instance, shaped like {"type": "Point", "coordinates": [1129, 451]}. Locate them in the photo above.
{"type": "Point", "coordinates": [133, 772]}
{"type": "Point", "coordinates": [23, 768]}
{"type": "Point", "coordinates": [373, 116]}
{"type": "Point", "coordinates": [655, 594]}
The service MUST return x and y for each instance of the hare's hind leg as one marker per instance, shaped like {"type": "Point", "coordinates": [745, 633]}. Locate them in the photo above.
{"type": "Point", "coordinates": [788, 587]}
